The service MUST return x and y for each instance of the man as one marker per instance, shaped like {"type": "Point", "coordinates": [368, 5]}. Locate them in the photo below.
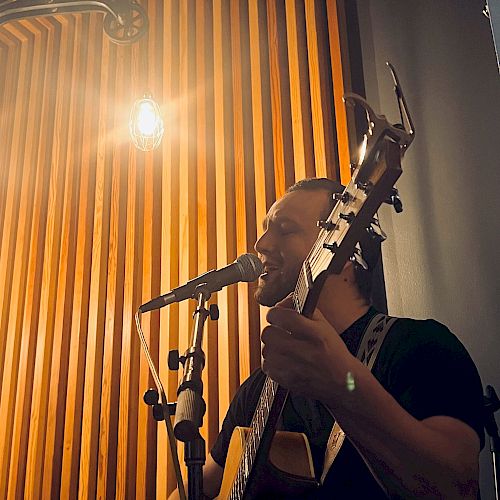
{"type": "Point", "coordinates": [413, 426]}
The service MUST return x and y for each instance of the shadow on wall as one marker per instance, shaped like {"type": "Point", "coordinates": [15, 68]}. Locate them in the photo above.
{"type": "Point", "coordinates": [441, 258]}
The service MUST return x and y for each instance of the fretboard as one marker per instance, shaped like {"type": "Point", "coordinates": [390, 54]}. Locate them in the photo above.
{"type": "Point", "coordinates": [271, 402]}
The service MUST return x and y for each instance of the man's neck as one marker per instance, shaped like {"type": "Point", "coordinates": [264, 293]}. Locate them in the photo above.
{"type": "Point", "coordinates": [342, 305]}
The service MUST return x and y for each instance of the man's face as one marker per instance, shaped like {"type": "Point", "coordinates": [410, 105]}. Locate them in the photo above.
{"type": "Point", "coordinates": [289, 233]}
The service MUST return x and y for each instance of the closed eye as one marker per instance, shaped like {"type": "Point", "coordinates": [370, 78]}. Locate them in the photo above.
{"type": "Point", "coordinates": [287, 229]}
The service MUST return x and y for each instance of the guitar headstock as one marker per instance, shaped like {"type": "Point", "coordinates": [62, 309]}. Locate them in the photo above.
{"type": "Point", "coordinates": [355, 210]}
{"type": "Point", "coordinates": [371, 184]}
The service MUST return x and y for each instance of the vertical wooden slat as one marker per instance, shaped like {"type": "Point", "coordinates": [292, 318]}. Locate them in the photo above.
{"type": "Point", "coordinates": [12, 48]}
{"type": "Point", "coordinates": [207, 217]}
{"type": "Point", "coordinates": [12, 123]}
{"type": "Point", "coordinates": [20, 249]}
{"type": "Point", "coordinates": [58, 382]}
{"type": "Point", "coordinates": [326, 90]}
{"type": "Point", "coordinates": [228, 360]}
{"type": "Point", "coordinates": [28, 332]}
{"type": "Point", "coordinates": [95, 328]}
{"type": "Point", "coordinates": [315, 86]}
{"type": "Point", "coordinates": [201, 168]}
{"type": "Point", "coordinates": [239, 174]}
{"type": "Point", "coordinates": [300, 99]}
{"type": "Point", "coordinates": [249, 332]}
{"type": "Point", "coordinates": [164, 476]}
{"type": "Point", "coordinates": [264, 182]}
{"type": "Point", "coordinates": [78, 334]}
{"type": "Point", "coordinates": [147, 427]}
{"type": "Point", "coordinates": [295, 94]}
{"type": "Point", "coordinates": [187, 178]}
{"type": "Point", "coordinates": [276, 104]}
{"type": "Point", "coordinates": [55, 179]}
{"type": "Point", "coordinates": [341, 85]}
{"type": "Point", "coordinates": [114, 300]}
{"type": "Point", "coordinates": [4, 55]}
{"type": "Point", "coordinates": [262, 201]}
{"type": "Point", "coordinates": [125, 452]}
{"type": "Point", "coordinates": [244, 183]}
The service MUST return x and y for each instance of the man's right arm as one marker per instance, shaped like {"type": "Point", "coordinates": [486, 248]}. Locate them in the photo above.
{"type": "Point", "coordinates": [212, 480]}
{"type": "Point", "coordinates": [212, 477]}
{"type": "Point", "coordinates": [240, 413]}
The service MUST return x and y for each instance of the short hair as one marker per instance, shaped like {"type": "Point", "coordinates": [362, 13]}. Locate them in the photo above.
{"type": "Point", "coordinates": [370, 248]}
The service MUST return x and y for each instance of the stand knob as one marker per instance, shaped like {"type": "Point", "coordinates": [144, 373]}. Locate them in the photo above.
{"type": "Point", "coordinates": [174, 360]}
{"type": "Point", "coordinates": [151, 397]}
{"type": "Point", "coordinates": [214, 312]}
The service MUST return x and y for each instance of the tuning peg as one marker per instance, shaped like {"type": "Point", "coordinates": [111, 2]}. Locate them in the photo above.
{"type": "Point", "coordinates": [395, 200]}
{"type": "Point", "coordinates": [333, 247]}
{"type": "Point", "coordinates": [376, 236]}
{"type": "Point", "coordinates": [357, 258]}
{"type": "Point", "coordinates": [344, 197]}
{"type": "Point", "coordinates": [398, 204]}
{"type": "Point", "coordinates": [375, 231]}
{"type": "Point", "coordinates": [327, 225]}
{"type": "Point", "coordinates": [349, 217]}
{"type": "Point", "coordinates": [364, 186]}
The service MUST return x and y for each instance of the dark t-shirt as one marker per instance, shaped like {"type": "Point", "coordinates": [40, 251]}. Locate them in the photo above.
{"type": "Point", "coordinates": [421, 363]}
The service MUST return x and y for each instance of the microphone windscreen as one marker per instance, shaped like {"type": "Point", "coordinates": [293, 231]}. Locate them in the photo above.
{"type": "Point", "coordinates": [250, 266]}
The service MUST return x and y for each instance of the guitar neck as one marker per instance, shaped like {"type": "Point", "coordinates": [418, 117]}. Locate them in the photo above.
{"type": "Point", "coordinates": [269, 407]}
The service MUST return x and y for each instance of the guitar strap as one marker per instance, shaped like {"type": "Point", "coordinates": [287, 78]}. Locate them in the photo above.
{"type": "Point", "coordinates": [369, 348]}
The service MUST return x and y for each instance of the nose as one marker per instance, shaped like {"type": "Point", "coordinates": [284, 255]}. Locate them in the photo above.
{"type": "Point", "coordinates": [263, 244]}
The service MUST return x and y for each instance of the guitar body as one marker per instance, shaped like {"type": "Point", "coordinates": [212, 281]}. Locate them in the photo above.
{"type": "Point", "coordinates": [288, 473]}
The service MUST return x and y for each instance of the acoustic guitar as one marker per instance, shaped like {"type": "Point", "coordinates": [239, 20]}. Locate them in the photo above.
{"type": "Point", "coordinates": [258, 461]}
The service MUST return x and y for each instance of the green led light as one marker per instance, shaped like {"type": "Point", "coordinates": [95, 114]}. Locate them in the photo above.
{"type": "Point", "coordinates": [349, 382]}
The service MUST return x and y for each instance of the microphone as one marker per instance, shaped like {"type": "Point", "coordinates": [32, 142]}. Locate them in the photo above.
{"type": "Point", "coordinates": [246, 267]}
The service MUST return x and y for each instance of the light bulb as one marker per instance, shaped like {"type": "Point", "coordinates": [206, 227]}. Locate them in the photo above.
{"type": "Point", "coordinates": [146, 124]}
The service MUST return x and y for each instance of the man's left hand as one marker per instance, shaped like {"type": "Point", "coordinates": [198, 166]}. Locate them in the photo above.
{"type": "Point", "coordinates": [304, 355]}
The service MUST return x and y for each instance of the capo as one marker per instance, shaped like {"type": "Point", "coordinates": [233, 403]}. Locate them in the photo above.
{"type": "Point", "coordinates": [378, 125]}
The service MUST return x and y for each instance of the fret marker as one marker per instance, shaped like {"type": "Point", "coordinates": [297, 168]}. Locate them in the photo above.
{"type": "Point", "coordinates": [349, 382]}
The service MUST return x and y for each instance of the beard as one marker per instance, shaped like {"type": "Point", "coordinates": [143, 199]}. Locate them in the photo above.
{"type": "Point", "coordinates": [275, 288]}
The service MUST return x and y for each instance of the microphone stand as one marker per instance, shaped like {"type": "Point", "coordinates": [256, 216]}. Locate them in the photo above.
{"type": "Point", "coordinates": [190, 404]}
{"type": "Point", "coordinates": [491, 405]}
{"type": "Point", "coordinates": [162, 409]}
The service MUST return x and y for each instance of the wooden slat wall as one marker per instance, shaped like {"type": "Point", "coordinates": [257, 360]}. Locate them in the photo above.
{"type": "Point", "coordinates": [90, 228]}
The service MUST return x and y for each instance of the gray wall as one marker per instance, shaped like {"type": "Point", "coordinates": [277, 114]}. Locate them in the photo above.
{"type": "Point", "coordinates": [441, 258]}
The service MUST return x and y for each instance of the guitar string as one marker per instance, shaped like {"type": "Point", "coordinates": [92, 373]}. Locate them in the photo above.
{"type": "Point", "coordinates": [250, 445]}
{"type": "Point", "coordinates": [241, 478]}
